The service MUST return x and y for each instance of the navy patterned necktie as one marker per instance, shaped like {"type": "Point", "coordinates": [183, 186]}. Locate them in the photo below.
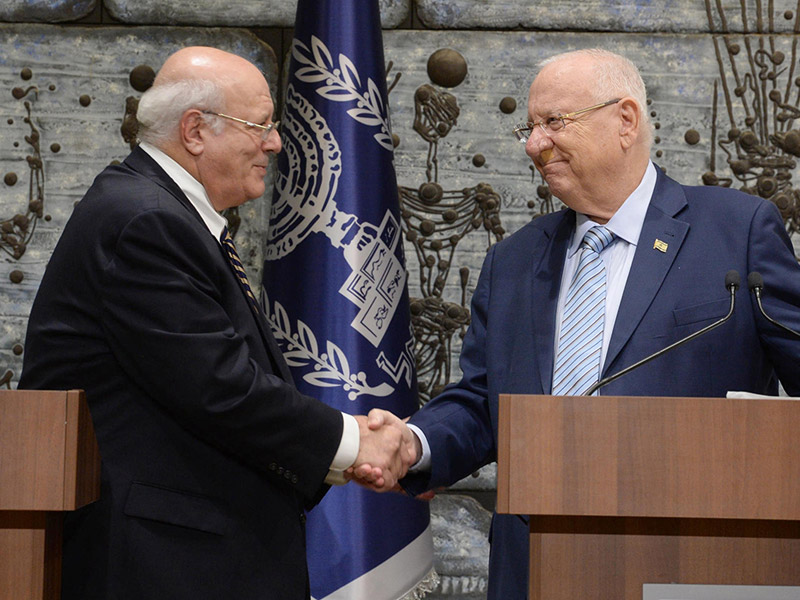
{"type": "Point", "coordinates": [580, 340]}
{"type": "Point", "coordinates": [238, 269]}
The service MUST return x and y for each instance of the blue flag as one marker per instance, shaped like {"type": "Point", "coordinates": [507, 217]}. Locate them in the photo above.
{"type": "Point", "coordinates": [335, 286]}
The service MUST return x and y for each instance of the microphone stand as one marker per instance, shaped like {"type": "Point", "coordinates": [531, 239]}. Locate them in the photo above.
{"type": "Point", "coordinates": [731, 282]}
{"type": "Point", "coordinates": [756, 284]}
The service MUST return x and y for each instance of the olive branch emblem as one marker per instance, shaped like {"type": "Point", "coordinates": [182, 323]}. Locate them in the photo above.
{"type": "Point", "coordinates": [343, 84]}
{"type": "Point", "coordinates": [330, 368]}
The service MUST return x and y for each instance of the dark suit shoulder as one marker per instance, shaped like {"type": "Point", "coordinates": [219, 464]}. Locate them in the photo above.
{"type": "Point", "coordinates": [538, 231]}
{"type": "Point", "coordinates": [121, 195]}
{"type": "Point", "coordinates": [121, 192]}
{"type": "Point", "coordinates": [718, 199]}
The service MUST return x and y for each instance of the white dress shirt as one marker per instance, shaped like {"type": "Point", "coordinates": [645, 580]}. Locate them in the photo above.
{"type": "Point", "coordinates": [626, 224]}
{"type": "Point", "coordinates": [348, 446]}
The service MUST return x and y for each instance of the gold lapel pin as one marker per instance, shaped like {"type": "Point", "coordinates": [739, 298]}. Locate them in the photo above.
{"type": "Point", "coordinates": [660, 246]}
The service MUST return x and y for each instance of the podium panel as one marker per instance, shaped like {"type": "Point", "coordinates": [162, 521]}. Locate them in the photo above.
{"type": "Point", "coordinates": [49, 463]}
{"type": "Point", "coordinates": [598, 558]}
{"type": "Point", "coordinates": [625, 491]}
{"type": "Point", "coordinates": [30, 547]}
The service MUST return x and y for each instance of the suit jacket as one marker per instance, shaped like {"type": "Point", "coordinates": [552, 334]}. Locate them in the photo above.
{"type": "Point", "coordinates": [509, 347]}
{"type": "Point", "coordinates": [209, 453]}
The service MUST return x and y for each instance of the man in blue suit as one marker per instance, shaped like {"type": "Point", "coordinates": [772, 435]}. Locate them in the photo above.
{"type": "Point", "coordinates": [209, 453]}
{"type": "Point", "coordinates": [664, 269]}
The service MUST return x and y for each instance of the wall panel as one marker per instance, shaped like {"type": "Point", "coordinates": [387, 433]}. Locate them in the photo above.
{"type": "Point", "coordinates": [677, 16]}
{"type": "Point", "coordinates": [248, 13]}
{"type": "Point", "coordinates": [45, 11]}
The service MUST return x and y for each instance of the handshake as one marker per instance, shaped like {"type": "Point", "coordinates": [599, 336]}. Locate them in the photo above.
{"type": "Point", "coordinates": [387, 449]}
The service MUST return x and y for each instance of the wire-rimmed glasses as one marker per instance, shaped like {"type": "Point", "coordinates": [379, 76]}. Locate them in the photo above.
{"type": "Point", "coordinates": [554, 124]}
{"type": "Point", "coordinates": [265, 132]}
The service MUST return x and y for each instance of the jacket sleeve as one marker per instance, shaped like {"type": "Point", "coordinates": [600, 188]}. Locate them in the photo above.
{"type": "Point", "coordinates": [457, 423]}
{"type": "Point", "coordinates": [771, 254]}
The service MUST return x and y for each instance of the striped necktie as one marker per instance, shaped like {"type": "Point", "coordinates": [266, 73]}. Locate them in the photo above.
{"type": "Point", "coordinates": [238, 269]}
{"type": "Point", "coordinates": [580, 340]}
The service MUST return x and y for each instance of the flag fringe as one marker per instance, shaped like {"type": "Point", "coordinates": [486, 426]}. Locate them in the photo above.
{"type": "Point", "coordinates": [428, 584]}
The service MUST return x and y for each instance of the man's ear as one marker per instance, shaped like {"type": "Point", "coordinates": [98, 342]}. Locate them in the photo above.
{"type": "Point", "coordinates": [630, 122]}
{"type": "Point", "coordinates": [193, 130]}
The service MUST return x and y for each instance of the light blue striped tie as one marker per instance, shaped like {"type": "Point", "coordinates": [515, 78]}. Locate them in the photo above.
{"type": "Point", "coordinates": [580, 340]}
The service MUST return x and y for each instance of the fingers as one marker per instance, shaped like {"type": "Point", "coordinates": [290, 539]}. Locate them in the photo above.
{"type": "Point", "coordinates": [396, 488]}
{"type": "Point", "coordinates": [367, 474]}
{"type": "Point", "coordinates": [387, 449]}
{"type": "Point", "coordinates": [377, 418]}
{"type": "Point", "coordinates": [411, 447]}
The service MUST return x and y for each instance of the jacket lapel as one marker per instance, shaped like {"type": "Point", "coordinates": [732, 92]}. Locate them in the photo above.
{"type": "Point", "coordinates": [548, 266]}
{"type": "Point", "coordinates": [661, 239]}
{"type": "Point", "coordinates": [143, 163]}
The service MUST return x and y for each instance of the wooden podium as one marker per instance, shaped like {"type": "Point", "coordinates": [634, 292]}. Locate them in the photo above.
{"type": "Point", "coordinates": [49, 463]}
{"type": "Point", "coordinates": [623, 491]}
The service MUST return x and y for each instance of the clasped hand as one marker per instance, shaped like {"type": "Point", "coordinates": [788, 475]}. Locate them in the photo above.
{"type": "Point", "coordinates": [387, 449]}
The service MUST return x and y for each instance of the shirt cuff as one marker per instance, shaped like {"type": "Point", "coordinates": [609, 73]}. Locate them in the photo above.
{"type": "Point", "coordinates": [347, 453]}
{"type": "Point", "coordinates": [424, 462]}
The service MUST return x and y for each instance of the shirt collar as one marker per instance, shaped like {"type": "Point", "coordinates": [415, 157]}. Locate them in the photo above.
{"type": "Point", "coordinates": [193, 189]}
{"type": "Point", "coordinates": [627, 222]}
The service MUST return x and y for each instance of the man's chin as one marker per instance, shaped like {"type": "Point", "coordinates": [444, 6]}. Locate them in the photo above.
{"type": "Point", "coordinates": [554, 185]}
{"type": "Point", "coordinates": [255, 193]}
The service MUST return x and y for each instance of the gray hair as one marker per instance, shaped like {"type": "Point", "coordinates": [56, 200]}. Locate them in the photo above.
{"type": "Point", "coordinates": [162, 106]}
{"type": "Point", "coordinates": [615, 76]}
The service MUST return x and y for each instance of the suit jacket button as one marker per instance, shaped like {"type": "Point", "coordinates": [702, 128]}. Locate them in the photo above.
{"type": "Point", "coordinates": [288, 474]}
{"type": "Point", "coordinates": [294, 478]}
{"type": "Point", "coordinates": [280, 470]}
{"type": "Point", "coordinates": [272, 466]}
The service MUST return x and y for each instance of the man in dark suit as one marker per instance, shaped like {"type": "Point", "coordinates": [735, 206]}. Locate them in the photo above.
{"type": "Point", "coordinates": [669, 249]}
{"type": "Point", "coordinates": [209, 453]}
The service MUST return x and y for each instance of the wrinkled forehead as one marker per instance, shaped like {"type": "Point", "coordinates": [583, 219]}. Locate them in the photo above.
{"type": "Point", "coordinates": [248, 89]}
{"type": "Point", "coordinates": [561, 87]}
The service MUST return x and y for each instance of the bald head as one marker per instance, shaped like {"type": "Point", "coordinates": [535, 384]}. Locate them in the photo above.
{"type": "Point", "coordinates": [195, 77]}
{"type": "Point", "coordinates": [210, 111]}
{"type": "Point", "coordinates": [205, 63]}
{"type": "Point", "coordinates": [591, 142]}
{"type": "Point", "coordinates": [605, 74]}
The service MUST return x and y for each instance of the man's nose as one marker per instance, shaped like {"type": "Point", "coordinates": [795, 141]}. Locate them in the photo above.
{"type": "Point", "coordinates": [273, 143]}
{"type": "Point", "coordinates": [538, 141]}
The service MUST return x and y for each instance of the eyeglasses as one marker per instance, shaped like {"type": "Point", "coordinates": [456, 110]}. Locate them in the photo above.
{"type": "Point", "coordinates": [554, 124]}
{"type": "Point", "coordinates": [266, 130]}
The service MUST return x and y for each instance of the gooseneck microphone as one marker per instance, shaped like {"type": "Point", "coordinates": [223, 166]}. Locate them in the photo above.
{"type": "Point", "coordinates": [756, 284]}
{"type": "Point", "coordinates": [732, 283]}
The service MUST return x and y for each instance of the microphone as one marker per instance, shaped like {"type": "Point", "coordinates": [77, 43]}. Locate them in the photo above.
{"type": "Point", "coordinates": [756, 284]}
{"type": "Point", "coordinates": [732, 283]}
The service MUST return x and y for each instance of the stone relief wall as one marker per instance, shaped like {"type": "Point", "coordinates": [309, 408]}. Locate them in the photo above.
{"type": "Point", "coordinates": [66, 94]}
{"type": "Point", "coordinates": [723, 94]}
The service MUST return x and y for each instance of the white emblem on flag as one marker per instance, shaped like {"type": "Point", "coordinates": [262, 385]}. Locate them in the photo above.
{"type": "Point", "coordinates": [306, 205]}
{"type": "Point", "coordinates": [329, 368]}
{"type": "Point", "coordinates": [342, 84]}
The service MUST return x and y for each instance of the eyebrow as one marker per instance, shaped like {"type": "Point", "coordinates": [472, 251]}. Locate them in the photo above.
{"type": "Point", "coordinates": [544, 116]}
{"type": "Point", "coordinates": [270, 117]}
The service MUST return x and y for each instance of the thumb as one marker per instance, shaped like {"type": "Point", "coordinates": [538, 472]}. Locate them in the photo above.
{"type": "Point", "coordinates": [376, 418]}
